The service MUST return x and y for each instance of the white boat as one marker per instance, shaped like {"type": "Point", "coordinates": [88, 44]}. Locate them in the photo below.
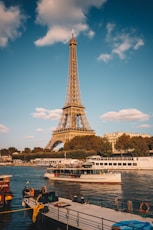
{"type": "Point", "coordinates": [82, 175]}
{"type": "Point", "coordinates": [55, 162]}
{"type": "Point", "coordinates": [120, 163]}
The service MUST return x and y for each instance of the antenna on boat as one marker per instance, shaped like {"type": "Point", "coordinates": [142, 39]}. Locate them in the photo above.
{"type": "Point", "coordinates": [27, 183]}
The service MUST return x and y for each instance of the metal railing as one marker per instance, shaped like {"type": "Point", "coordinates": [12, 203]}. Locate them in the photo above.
{"type": "Point", "coordinates": [79, 219]}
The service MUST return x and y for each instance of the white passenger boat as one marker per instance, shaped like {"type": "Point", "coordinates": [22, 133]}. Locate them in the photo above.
{"type": "Point", "coordinates": [120, 163]}
{"type": "Point", "coordinates": [53, 162]}
{"type": "Point", "coordinates": [83, 175]}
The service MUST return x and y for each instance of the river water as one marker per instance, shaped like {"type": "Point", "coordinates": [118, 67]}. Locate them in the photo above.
{"type": "Point", "coordinates": [136, 186]}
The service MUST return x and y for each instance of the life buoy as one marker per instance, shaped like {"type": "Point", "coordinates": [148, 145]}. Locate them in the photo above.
{"type": "Point", "coordinates": [144, 207]}
{"type": "Point", "coordinates": [32, 192]}
{"type": "Point", "coordinates": [2, 200]}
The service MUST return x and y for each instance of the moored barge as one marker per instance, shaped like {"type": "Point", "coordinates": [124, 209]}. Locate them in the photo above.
{"type": "Point", "coordinates": [47, 209]}
{"type": "Point", "coordinates": [6, 195]}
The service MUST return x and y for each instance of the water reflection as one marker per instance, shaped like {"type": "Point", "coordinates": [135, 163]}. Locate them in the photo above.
{"type": "Point", "coordinates": [93, 193]}
{"type": "Point", "coordinates": [4, 218]}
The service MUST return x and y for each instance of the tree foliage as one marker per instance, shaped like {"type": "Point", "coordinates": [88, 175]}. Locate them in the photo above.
{"type": "Point", "coordinates": [123, 143]}
{"type": "Point", "coordinates": [136, 145]}
{"type": "Point", "coordinates": [83, 146]}
{"type": "Point", "coordinates": [95, 143]}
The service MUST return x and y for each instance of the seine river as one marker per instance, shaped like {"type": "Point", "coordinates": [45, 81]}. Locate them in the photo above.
{"type": "Point", "coordinates": [137, 186]}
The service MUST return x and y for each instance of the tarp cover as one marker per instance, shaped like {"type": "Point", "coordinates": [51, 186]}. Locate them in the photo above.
{"type": "Point", "coordinates": [132, 225]}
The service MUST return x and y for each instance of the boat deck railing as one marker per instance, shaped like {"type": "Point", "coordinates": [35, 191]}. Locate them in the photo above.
{"type": "Point", "coordinates": [80, 220]}
{"type": "Point", "coordinates": [118, 204]}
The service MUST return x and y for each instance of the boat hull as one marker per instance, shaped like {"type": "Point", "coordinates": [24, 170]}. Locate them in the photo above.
{"type": "Point", "coordinates": [114, 178]}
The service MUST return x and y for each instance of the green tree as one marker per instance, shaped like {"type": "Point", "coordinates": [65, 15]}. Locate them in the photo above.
{"type": "Point", "coordinates": [123, 143]}
{"type": "Point", "coordinates": [12, 150]}
{"type": "Point", "coordinates": [98, 144]}
{"type": "Point", "coordinates": [4, 152]}
{"type": "Point", "coordinates": [104, 147]}
{"type": "Point", "coordinates": [149, 141]}
{"type": "Point", "coordinates": [139, 145]}
{"type": "Point", "coordinates": [37, 150]}
{"type": "Point", "coordinates": [27, 150]}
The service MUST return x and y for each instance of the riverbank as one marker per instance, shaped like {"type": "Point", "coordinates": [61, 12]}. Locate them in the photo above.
{"type": "Point", "coordinates": [17, 164]}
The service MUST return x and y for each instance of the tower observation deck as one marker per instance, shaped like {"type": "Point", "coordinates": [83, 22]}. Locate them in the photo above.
{"type": "Point", "coordinates": [73, 121]}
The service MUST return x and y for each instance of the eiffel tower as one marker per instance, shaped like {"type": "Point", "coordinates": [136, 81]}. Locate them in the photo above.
{"type": "Point", "coordinates": [73, 121]}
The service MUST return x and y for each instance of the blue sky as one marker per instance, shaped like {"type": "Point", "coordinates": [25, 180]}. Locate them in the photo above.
{"type": "Point", "coordinates": [115, 66]}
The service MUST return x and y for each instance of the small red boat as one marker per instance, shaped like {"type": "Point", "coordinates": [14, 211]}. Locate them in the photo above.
{"type": "Point", "coordinates": [6, 195]}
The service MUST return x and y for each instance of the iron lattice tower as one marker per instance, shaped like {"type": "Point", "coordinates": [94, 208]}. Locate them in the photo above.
{"type": "Point", "coordinates": [73, 121]}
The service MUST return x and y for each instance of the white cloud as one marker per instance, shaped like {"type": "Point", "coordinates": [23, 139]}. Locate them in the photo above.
{"type": "Point", "coordinates": [125, 42]}
{"type": "Point", "coordinates": [125, 115]}
{"type": "Point", "coordinates": [56, 34]}
{"type": "Point", "coordinates": [29, 137]}
{"type": "Point", "coordinates": [109, 27]}
{"type": "Point", "coordinates": [61, 16]}
{"type": "Point", "coordinates": [11, 20]}
{"type": "Point", "coordinates": [3, 129]}
{"type": "Point", "coordinates": [145, 126]}
{"type": "Point", "coordinates": [47, 114]}
{"type": "Point", "coordinates": [91, 34]}
{"type": "Point", "coordinates": [39, 130]}
{"type": "Point", "coordinates": [121, 49]}
{"type": "Point", "coordinates": [121, 42]}
{"type": "Point", "coordinates": [139, 43]}
{"type": "Point", "coordinates": [104, 57]}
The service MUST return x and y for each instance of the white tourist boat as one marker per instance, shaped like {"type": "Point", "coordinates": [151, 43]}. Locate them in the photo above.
{"type": "Point", "coordinates": [53, 162]}
{"type": "Point", "coordinates": [82, 175]}
{"type": "Point", "coordinates": [120, 163]}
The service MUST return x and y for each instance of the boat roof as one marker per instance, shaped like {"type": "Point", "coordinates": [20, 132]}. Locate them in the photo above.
{"type": "Point", "coordinates": [74, 169]}
{"type": "Point", "coordinates": [5, 176]}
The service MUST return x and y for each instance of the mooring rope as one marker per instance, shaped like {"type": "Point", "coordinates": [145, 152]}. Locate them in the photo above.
{"type": "Point", "coordinates": [16, 210]}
